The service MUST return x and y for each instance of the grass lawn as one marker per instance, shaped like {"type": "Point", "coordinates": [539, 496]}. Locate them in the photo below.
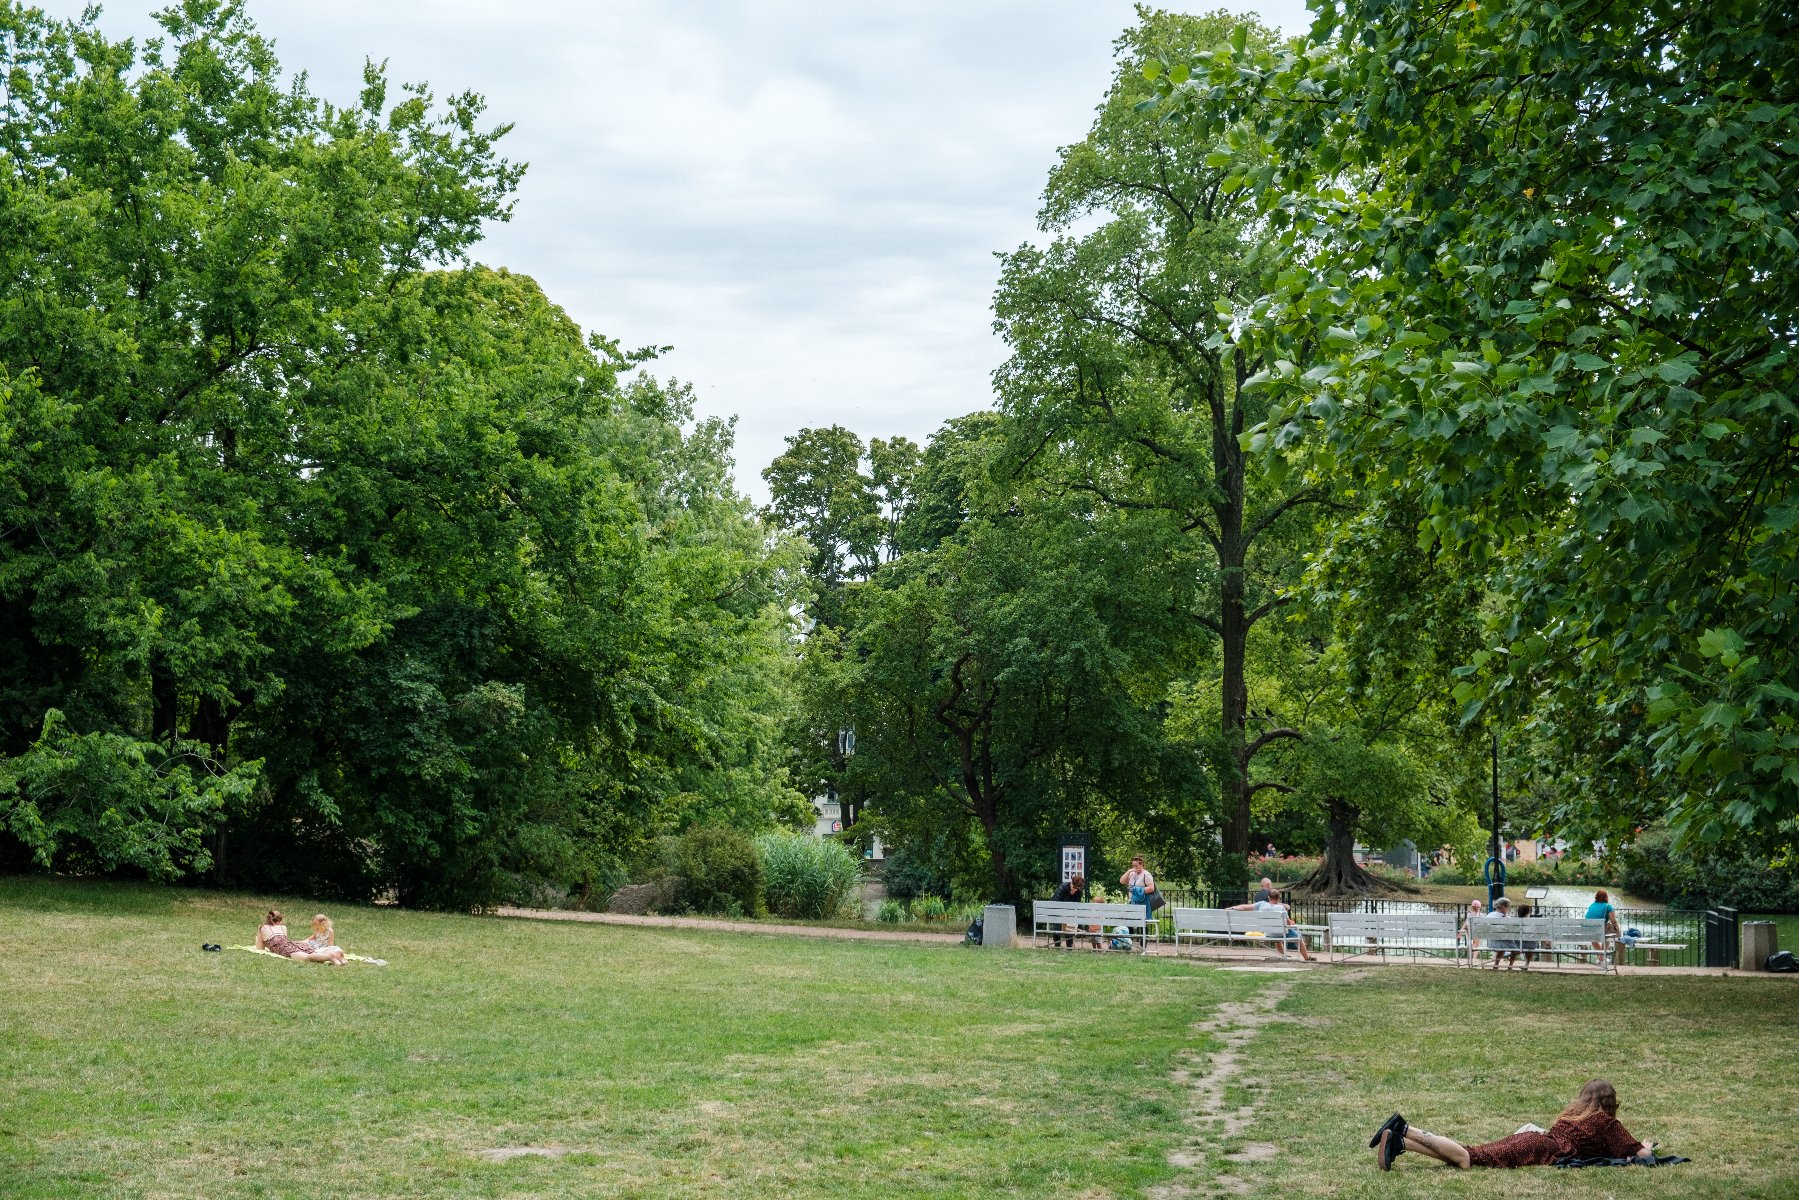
{"type": "Point", "coordinates": [676, 1063]}
{"type": "Point", "coordinates": [672, 1063]}
{"type": "Point", "coordinates": [1703, 1065]}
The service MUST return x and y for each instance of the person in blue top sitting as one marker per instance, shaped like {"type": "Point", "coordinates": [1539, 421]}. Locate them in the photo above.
{"type": "Point", "coordinates": [1601, 910]}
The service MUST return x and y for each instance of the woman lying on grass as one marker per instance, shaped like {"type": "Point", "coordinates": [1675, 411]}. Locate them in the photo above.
{"type": "Point", "coordinates": [1587, 1128]}
{"type": "Point", "coordinates": [273, 938]}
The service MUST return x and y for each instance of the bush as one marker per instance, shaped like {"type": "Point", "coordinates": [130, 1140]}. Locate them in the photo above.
{"type": "Point", "coordinates": [720, 872]}
{"type": "Point", "coordinates": [892, 912]}
{"type": "Point", "coordinates": [929, 908]}
{"type": "Point", "coordinates": [906, 874]}
{"type": "Point", "coordinates": [1654, 870]}
{"type": "Point", "coordinates": [808, 877]}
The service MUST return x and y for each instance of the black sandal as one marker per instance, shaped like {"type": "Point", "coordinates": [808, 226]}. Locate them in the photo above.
{"type": "Point", "coordinates": [212, 946]}
{"type": "Point", "coordinates": [1396, 1122]}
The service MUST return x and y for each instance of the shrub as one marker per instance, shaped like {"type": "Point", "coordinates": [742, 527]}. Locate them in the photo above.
{"type": "Point", "coordinates": [808, 877]}
{"type": "Point", "coordinates": [929, 908]}
{"type": "Point", "coordinates": [1654, 870]}
{"type": "Point", "coordinates": [892, 912]}
{"type": "Point", "coordinates": [720, 872]}
{"type": "Point", "coordinates": [906, 874]}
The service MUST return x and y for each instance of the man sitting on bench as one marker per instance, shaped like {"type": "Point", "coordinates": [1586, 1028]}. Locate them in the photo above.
{"type": "Point", "coordinates": [1293, 938]}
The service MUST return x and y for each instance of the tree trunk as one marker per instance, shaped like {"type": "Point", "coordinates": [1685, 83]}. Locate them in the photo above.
{"type": "Point", "coordinates": [211, 727]}
{"type": "Point", "coordinates": [1233, 628]}
{"type": "Point", "coordinates": [165, 707]}
{"type": "Point", "coordinates": [1338, 873]}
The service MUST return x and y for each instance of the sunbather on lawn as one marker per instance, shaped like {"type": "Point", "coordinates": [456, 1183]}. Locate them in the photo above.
{"type": "Point", "coordinates": [272, 936]}
{"type": "Point", "coordinates": [1587, 1128]}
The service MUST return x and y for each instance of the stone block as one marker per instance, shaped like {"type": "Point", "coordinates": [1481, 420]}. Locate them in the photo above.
{"type": "Point", "coordinates": [1758, 940]}
{"type": "Point", "coordinates": [999, 926]}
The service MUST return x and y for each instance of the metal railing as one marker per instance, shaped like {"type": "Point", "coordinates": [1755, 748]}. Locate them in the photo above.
{"type": "Point", "coordinates": [1709, 937]}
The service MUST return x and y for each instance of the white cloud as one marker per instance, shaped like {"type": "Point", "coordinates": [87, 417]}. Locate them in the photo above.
{"type": "Point", "coordinates": [802, 197]}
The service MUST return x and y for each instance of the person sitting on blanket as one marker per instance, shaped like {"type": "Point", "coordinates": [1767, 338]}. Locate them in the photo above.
{"type": "Point", "coordinates": [1293, 936]}
{"type": "Point", "coordinates": [1587, 1128]}
{"type": "Point", "coordinates": [323, 934]}
{"type": "Point", "coordinates": [272, 936]}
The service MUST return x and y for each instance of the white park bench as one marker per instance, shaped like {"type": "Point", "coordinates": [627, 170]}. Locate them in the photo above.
{"type": "Point", "coordinates": [1544, 937]}
{"type": "Point", "coordinates": [1049, 917]}
{"type": "Point", "coordinates": [1233, 925]}
{"type": "Point", "coordinates": [1353, 934]}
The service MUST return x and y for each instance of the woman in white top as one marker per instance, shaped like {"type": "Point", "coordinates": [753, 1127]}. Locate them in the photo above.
{"type": "Point", "coordinates": [1140, 883]}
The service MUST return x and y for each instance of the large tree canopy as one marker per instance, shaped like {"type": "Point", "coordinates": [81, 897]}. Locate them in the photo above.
{"type": "Point", "coordinates": [327, 558]}
{"type": "Point", "coordinates": [1121, 388]}
{"type": "Point", "coordinates": [1533, 280]}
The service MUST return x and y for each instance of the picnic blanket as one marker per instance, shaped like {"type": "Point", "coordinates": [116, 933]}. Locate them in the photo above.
{"type": "Point", "coordinates": [1665, 1160]}
{"type": "Point", "coordinates": [348, 957]}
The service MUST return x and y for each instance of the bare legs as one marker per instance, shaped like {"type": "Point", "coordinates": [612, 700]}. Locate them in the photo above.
{"type": "Point", "coordinates": [330, 954]}
{"type": "Point", "coordinates": [1432, 1145]}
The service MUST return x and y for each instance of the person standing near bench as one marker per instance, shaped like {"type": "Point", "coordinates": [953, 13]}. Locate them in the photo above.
{"type": "Point", "coordinates": [1140, 882]}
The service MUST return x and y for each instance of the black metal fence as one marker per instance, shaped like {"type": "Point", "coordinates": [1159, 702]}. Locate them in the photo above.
{"type": "Point", "coordinates": [1706, 938]}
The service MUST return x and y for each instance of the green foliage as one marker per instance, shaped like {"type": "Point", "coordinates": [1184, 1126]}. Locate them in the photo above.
{"type": "Point", "coordinates": [107, 801]}
{"type": "Point", "coordinates": [1533, 281]}
{"type": "Point", "coordinates": [929, 908]}
{"type": "Point", "coordinates": [892, 912]}
{"type": "Point", "coordinates": [720, 872]}
{"type": "Point", "coordinates": [809, 877]}
{"type": "Point", "coordinates": [1004, 687]}
{"type": "Point", "coordinates": [1654, 868]}
{"type": "Point", "coordinates": [284, 476]}
{"type": "Point", "coordinates": [1120, 388]}
{"type": "Point", "coordinates": [909, 872]}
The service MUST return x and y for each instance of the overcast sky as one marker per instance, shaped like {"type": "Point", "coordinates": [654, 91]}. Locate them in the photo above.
{"type": "Point", "coordinates": [802, 197]}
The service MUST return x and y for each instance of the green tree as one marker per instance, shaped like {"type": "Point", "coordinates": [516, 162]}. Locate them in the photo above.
{"type": "Point", "coordinates": [288, 484]}
{"type": "Point", "coordinates": [1005, 678]}
{"type": "Point", "coordinates": [1122, 386]}
{"type": "Point", "coordinates": [1536, 281]}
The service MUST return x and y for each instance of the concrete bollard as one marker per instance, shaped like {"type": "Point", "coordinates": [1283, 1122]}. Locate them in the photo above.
{"type": "Point", "coordinates": [999, 926]}
{"type": "Point", "coordinates": [1759, 940]}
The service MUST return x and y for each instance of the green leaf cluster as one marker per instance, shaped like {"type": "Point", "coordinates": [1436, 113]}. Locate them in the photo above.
{"type": "Point", "coordinates": [1533, 267]}
{"type": "Point", "coordinates": [285, 477]}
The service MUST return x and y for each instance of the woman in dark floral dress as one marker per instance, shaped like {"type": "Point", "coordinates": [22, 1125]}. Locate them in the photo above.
{"type": "Point", "coordinates": [1587, 1128]}
{"type": "Point", "coordinates": [272, 936]}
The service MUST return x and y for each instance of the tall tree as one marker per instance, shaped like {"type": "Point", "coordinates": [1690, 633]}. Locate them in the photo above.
{"type": "Point", "coordinates": [1122, 384]}
{"type": "Point", "coordinates": [1543, 292]}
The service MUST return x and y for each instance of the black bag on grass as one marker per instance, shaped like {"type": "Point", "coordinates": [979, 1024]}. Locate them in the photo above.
{"type": "Point", "coordinates": [1782, 962]}
{"type": "Point", "coordinates": [973, 936]}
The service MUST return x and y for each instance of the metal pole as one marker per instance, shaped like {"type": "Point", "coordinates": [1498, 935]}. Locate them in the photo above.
{"type": "Point", "coordinates": [1496, 879]}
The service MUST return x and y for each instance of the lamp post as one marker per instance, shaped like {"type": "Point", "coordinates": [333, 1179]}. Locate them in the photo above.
{"type": "Point", "coordinates": [1495, 868]}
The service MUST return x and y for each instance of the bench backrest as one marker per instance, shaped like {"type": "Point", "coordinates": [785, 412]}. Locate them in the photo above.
{"type": "Point", "coordinates": [1391, 927]}
{"type": "Point", "coordinates": [1538, 929]}
{"type": "Point", "coordinates": [1269, 922]}
{"type": "Point", "coordinates": [1073, 912]}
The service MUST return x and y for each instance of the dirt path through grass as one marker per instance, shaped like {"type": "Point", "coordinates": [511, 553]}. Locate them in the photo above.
{"type": "Point", "coordinates": [1216, 1123]}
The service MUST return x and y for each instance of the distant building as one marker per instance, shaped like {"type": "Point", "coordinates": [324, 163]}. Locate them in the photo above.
{"type": "Point", "coordinates": [830, 819]}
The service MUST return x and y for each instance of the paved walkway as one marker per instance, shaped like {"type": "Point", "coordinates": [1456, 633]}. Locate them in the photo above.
{"type": "Point", "coordinates": [1229, 957]}
{"type": "Point", "coordinates": [723, 926]}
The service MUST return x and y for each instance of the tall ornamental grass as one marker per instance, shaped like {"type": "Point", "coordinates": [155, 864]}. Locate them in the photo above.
{"type": "Point", "coordinates": [809, 877]}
